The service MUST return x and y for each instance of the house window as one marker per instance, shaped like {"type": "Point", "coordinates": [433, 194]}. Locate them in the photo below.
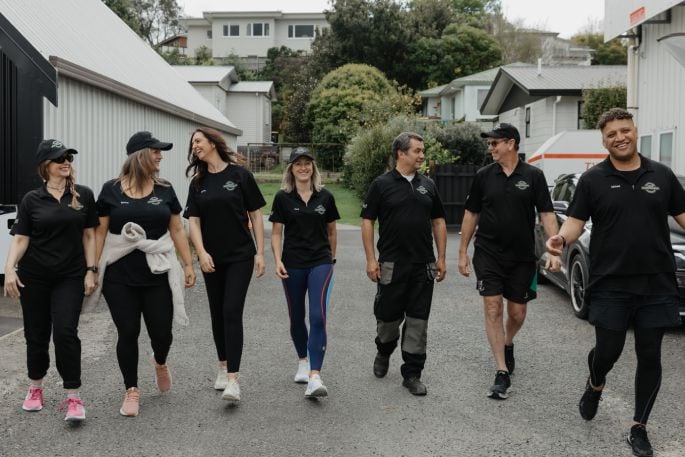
{"type": "Point", "coordinates": [528, 122]}
{"type": "Point", "coordinates": [258, 29]}
{"type": "Point", "coordinates": [209, 34]}
{"type": "Point", "coordinates": [482, 93]}
{"type": "Point", "coordinates": [666, 148]}
{"type": "Point", "coordinates": [581, 118]}
{"type": "Point", "coordinates": [300, 31]}
{"type": "Point", "coordinates": [231, 30]}
{"type": "Point", "coordinates": [646, 146]}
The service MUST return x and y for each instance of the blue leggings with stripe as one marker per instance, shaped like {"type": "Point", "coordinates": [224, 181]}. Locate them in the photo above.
{"type": "Point", "coordinates": [318, 282]}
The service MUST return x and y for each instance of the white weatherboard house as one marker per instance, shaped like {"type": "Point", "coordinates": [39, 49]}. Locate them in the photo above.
{"type": "Point", "coordinates": [656, 72]}
{"type": "Point", "coordinates": [249, 35]}
{"type": "Point", "coordinates": [541, 101]}
{"type": "Point", "coordinates": [248, 103]}
{"type": "Point", "coordinates": [459, 100]}
{"type": "Point", "coordinates": [110, 84]}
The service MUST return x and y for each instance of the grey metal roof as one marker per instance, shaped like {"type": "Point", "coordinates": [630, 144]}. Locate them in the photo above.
{"type": "Point", "coordinates": [264, 87]}
{"type": "Point", "coordinates": [518, 85]}
{"type": "Point", "coordinates": [433, 91]}
{"type": "Point", "coordinates": [486, 76]}
{"type": "Point", "coordinates": [87, 41]}
{"type": "Point", "coordinates": [567, 77]}
{"type": "Point", "coordinates": [223, 75]}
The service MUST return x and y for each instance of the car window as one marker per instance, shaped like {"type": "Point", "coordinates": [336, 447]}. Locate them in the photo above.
{"type": "Point", "coordinates": [570, 189]}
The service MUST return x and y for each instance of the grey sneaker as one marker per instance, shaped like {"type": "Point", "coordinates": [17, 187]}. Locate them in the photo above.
{"type": "Point", "coordinates": [232, 390]}
{"type": "Point", "coordinates": [315, 387]}
{"type": "Point", "coordinates": [302, 375]}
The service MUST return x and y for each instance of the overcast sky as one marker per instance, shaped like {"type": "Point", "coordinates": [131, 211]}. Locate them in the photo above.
{"type": "Point", "coordinates": [566, 17]}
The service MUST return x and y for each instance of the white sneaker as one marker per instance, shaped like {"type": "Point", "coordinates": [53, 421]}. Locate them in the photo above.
{"type": "Point", "coordinates": [315, 387]}
{"type": "Point", "coordinates": [302, 375]}
{"type": "Point", "coordinates": [232, 390]}
{"type": "Point", "coordinates": [221, 379]}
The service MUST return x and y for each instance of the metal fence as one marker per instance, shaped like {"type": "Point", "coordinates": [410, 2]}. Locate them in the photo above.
{"type": "Point", "coordinates": [265, 157]}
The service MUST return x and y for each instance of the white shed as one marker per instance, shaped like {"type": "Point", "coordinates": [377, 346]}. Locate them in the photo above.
{"type": "Point", "coordinates": [110, 84]}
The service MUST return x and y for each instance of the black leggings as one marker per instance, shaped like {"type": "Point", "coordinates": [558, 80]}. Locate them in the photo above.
{"type": "Point", "coordinates": [608, 349]}
{"type": "Point", "coordinates": [226, 291]}
{"type": "Point", "coordinates": [126, 304]}
{"type": "Point", "coordinates": [52, 305]}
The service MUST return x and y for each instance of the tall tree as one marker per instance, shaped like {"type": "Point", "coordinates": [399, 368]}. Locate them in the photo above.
{"type": "Point", "coordinates": [428, 18]}
{"type": "Point", "coordinates": [152, 20]}
{"type": "Point", "coordinates": [612, 52]}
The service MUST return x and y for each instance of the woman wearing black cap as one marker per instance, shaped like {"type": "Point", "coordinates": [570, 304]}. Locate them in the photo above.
{"type": "Point", "coordinates": [221, 198]}
{"type": "Point", "coordinates": [52, 251]}
{"type": "Point", "coordinates": [140, 225]}
{"type": "Point", "coordinates": [305, 261]}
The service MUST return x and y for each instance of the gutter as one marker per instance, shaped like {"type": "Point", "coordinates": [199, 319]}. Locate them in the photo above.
{"type": "Point", "coordinates": [79, 73]}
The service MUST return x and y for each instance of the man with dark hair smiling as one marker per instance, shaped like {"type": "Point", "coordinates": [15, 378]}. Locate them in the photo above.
{"type": "Point", "coordinates": [632, 269]}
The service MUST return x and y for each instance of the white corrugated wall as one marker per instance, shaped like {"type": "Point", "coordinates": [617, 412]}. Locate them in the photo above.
{"type": "Point", "coordinates": [99, 123]}
{"type": "Point", "coordinates": [661, 88]}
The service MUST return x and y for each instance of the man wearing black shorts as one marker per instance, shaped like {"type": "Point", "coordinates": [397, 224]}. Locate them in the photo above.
{"type": "Point", "coordinates": [408, 209]}
{"type": "Point", "coordinates": [502, 203]}
{"type": "Point", "coordinates": [632, 268]}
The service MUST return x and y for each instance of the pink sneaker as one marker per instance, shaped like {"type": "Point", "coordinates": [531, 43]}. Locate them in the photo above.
{"type": "Point", "coordinates": [75, 410]}
{"type": "Point", "coordinates": [34, 399]}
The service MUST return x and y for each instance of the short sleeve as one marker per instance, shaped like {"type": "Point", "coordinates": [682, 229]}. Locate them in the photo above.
{"type": "Point", "coordinates": [173, 203]}
{"type": "Point", "coordinates": [191, 209]}
{"type": "Point", "coordinates": [371, 203]}
{"type": "Point", "coordinates": [91, 211]}
{"type": "Point", "coordinates": [474, 200]}
{"type": "Point", "coordinates": [252, 196]}
{"type": "Point", "coordinates": [437, 210]}
{"type": "Point", "coordinates": [104, 202]}
{"type": "Point", "coordinates": [581, 204]}
{"type": "Point", "coordinates": [676, 204]}
{"type": "Point", "coordinates": [331, 209]}
{"type": "Point", "coordinates": [22, 223]}
{"type": "Point", "coordinates": [543, 201]}
{"type": "Point", "coordinates": [277, 212]}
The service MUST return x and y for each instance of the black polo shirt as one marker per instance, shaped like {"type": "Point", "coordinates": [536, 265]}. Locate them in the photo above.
{"type": "Point", "coordinates": [152, 212]}
{"type": "Point", "coordinates": [630, 234]}
{"type": "Point", "coordinates": [55, 231]}
{"type": "Point", "coordinates": [507, 204]}
{"type": "Point", "coordinates": [305, 242]}
{"type": "Point", "coordinates": [404, 211]}
{"type": "Point", "coordinates": [222, 203]}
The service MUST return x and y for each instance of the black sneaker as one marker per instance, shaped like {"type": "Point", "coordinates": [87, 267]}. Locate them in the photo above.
{"type": "Point", "coordinates": [498, 391]}
{"type": "Point", "coordinates": [415, 386]}
{"type": "Point", "coordinates": [639, 442]}
{"type": "Point", "coordinates": [589, 402]}
{"type": "Point", "coordinates": [509, 358]}
{"type": "Point", "coordinates": [380, 365]}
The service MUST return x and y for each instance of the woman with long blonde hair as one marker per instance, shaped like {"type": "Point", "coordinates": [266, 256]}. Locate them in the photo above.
{"type": "Point", "coordinates": [50, 266]}
{"type": "Point", "coordinates": [140, 231]}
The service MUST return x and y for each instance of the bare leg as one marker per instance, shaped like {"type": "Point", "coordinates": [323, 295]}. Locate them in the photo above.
{"type": "Point", "coordinates": [494, 328]}
{"type": "Point", "coordinates": [516, 314]}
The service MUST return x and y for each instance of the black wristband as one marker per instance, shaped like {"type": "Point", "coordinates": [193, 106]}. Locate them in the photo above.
{"type": "Point", "coordinates": [93, 269]}
{"type": "Point", "coordinates": [563, 241]}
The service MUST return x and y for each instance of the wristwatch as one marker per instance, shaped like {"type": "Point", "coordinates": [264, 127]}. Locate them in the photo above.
{"type": "Point", "coordinates": [93, 269]}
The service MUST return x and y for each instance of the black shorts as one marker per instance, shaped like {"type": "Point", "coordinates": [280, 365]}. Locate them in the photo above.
{"type": "Point", "coordinates": [617, 310]}
{"type": "Point", "coordinates": [516, 281]}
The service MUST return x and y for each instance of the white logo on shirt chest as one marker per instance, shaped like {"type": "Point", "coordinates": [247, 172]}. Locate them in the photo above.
{"type": "Point", "coordinates": [154, 201]}
{"type": "Point", "coordinates": [422, 190]}
{"type": "Point", "coordinates": [320, 209]}
{"type": "Point", "coordinates": [230, 186]}
{"type": "Point", "coordinates": [522, 185]}
{"type": "Point", "coordinates": [650, 188]}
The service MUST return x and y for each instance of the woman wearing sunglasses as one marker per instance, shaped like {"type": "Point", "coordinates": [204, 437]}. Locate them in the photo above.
{"type": "Point", "coordinates": [50, 266]}
{"type": "Point", "coordinates": [139, 233]}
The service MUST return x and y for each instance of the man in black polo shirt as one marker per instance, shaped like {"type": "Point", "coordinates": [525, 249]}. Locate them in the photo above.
{"type": "Point", "coordinates": [502, 203]}
{"type": "Point", "coordinates": [632, 269]}
{"type": "Point", "coordinates": [408, 208]}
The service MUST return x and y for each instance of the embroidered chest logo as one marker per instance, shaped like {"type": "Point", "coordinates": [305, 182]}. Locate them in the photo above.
{"type": "Point", "coordinates": [616, 186]}
{"type": "Point", "coordinates": [76, 206]}
{"type": "Point", "coordinates": [230, 186]}
{"type": "Point", "coordinates": [522, 185]}
{"type": "Point", "coordinates": [320, 209]}
{"type": "Point", "coordinates": [650, 188]}
{"type": "Point", "coordinates": [154, 201]}
{"type": "Point", "coordinates": [422, 190]}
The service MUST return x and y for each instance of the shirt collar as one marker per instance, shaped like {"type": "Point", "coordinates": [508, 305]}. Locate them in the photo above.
{"type": "Point", "coordinates": [517, 168]}
{"type": "Point", "coordinates": [43, 192]}
{"type": "Point", "coordinates": [608, 167]}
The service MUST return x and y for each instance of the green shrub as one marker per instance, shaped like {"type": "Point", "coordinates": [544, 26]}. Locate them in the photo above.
{"type": "Point", "coordinates": [597, 101]}
{"type": "Point", "coordinates": [462, 140]}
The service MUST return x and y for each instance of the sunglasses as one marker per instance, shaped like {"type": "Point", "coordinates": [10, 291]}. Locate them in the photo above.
{"type": "Point", "coordinates": [68, 157]}
{"type": "Point", "coordinates": [493, 143]}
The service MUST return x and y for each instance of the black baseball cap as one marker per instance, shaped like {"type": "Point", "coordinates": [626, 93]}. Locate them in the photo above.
{"type": "Point", "coordinates": [503, 130]}
{"type": "Point", "coordinates": [300, 152]}
{"type": "Point", "coordinates": [142, 140]}
{"type": "Point", "coordinates": [52, 149]}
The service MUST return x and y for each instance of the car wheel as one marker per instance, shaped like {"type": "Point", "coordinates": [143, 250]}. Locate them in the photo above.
{"type": "Point", "coordinates": [578, 279]}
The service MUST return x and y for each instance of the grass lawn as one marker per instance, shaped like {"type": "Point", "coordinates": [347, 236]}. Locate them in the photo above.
{"type": "Point", "coordinates": [348, 204]}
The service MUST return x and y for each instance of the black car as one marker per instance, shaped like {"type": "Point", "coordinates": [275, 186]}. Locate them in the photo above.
{"type": "Point", "coordinates": [573, 276]}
